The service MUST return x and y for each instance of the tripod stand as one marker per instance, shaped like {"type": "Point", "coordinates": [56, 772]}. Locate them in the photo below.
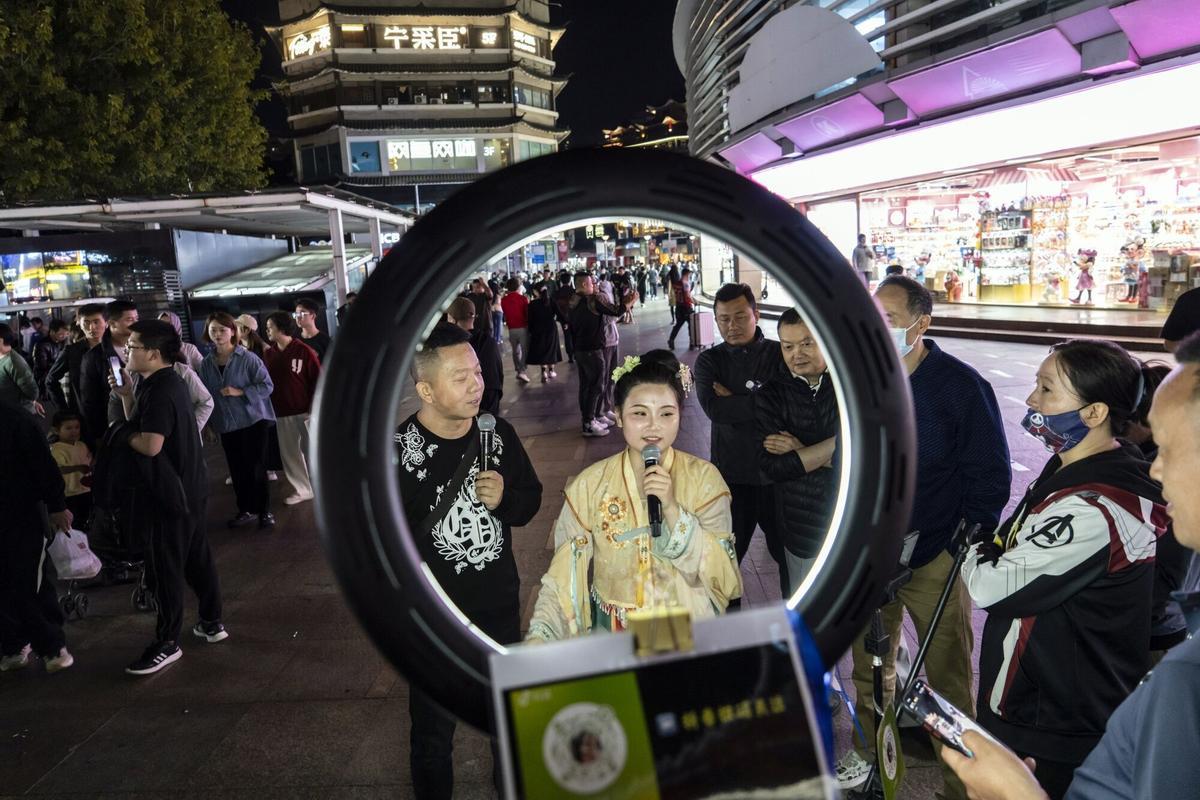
{"type": "Point", "coordinates": [878, 644]}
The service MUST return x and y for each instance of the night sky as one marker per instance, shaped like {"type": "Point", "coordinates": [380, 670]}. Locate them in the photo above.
{"type": "Point", "coordinates": [618, 53]}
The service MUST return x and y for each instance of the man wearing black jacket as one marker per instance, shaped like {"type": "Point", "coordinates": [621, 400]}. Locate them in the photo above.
{"type": "Point", "coordinates": [95, 369]}
{"type": "Point", "coordinates": [798, 423]}
{"type": "Point", "coordinates": [463, 313]}
{"type": "Point", "coordinates": [461, 509]}
{"type": "Point", "coordinates": [30, 619]}
{"type": "Point", "coordinates": [69, 363]}
{"type": "Point", "coordinates": [175, 481]}
{"type": "Point", "coordinates": [727, 377]}
{"type": "Point", "coordinates": [587, 312]}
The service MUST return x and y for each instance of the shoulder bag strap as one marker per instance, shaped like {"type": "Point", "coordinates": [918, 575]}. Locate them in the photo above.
{"type": "Point", "coordinates": [453, 487]}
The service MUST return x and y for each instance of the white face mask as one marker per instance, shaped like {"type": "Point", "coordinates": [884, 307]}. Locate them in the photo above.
{"type": "Point", "coordinates": [900, 339]}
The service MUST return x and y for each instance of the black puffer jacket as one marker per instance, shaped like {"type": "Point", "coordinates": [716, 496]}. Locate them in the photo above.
{"type": "Point", "coordinates": [804, 500]}
{"type": "Point", "coordinates": [743, 371]}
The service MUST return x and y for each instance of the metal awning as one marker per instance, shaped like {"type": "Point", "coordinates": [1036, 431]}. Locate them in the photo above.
{"type": "Point", "coordinates": [304, 270]}
{"type": "Point", "coordinates": [295, 211]}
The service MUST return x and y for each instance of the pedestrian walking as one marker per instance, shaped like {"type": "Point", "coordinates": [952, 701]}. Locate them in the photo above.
{"type": "Point", "coordinates": [516, 315]}
{"type": "Point", "coordinates": [172, 484]}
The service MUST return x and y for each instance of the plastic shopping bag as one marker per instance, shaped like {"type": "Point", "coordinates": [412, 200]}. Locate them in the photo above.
{"type": "Point", "coordinates": [73, 559]}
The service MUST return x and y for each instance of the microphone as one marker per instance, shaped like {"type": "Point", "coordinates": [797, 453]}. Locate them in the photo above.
{"type": "Point", "coordinates": [651, 455]}
{"type": "Point", "coordinates": [487, 426]}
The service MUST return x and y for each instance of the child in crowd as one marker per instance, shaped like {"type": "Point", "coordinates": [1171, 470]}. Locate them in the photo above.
{"type": "Point", "coordinates": [74, 461]}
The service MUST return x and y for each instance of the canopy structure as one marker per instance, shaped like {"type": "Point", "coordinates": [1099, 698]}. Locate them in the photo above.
{"type": "Point", "coordinates": [303, 270]}
{"type": "Point", "coordinates": [321, 211]}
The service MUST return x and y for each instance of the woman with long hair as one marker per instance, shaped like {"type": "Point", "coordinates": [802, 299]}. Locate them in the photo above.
{"type": "Point", "coordinates": [544, 317]}
{"type": "Point", "coordinates": [241, 391]}
{"type": "Point", "coordinates": [1068, 579]}
{"type": "Point", "coordinates": [681, 290]}
{"type": "Point", "coordinates": [609, 561]}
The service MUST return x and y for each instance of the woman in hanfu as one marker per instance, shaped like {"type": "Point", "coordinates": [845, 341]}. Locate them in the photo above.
{"type": "Point", "coordinates": [607, 562]}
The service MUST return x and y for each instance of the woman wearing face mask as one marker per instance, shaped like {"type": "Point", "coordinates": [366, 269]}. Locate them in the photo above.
{"type": "Point", "coordinates": [1068, 580]}
{"type": "Point", "coordinates": [608, 562]}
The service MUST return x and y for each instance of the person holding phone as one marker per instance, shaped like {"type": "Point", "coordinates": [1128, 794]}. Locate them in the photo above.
{"type": "Point", "coordinates": [1069, 579]}
{"type": "Point", "coordinates": [107, 358]}
{"type": "Point", "coordinates": [241, 390]}
{"type": "Point", "coordinates": [1150, 750]}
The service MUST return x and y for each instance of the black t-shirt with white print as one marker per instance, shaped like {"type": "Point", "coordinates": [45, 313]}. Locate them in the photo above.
{"type": "Point", "coordinates": [469, 550]}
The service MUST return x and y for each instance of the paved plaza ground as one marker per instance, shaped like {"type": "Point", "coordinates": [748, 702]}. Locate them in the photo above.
{"type": "Point", "coordinates": [298, 703]}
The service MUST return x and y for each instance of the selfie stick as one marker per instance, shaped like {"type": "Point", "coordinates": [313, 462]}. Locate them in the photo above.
{"type": "Point", "coordinates": [877, 643]}
{"type": "Point", "coordinates": [961, 540]}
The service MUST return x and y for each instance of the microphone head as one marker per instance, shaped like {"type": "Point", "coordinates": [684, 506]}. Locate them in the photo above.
{"type": "Point", "coordinates": [651, 452]}
{"type": "Point", "coordinates": [487, 423]}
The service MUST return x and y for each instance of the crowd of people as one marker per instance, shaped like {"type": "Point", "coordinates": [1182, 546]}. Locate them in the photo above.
{"type": "Point", "coordinates": [129, 404]}
{"type": "Point", "coordinates": [1086, 585]}
{"type": "Point", "coordinates": [1080, 583]}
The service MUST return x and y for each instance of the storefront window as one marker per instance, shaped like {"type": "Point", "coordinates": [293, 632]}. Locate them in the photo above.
{"type": "Point", "coordinates": [497, 154]}
{"type": "Point", "coordinates": [364, 157]}
{"type": "Point", "coordinates": [1015, 234]}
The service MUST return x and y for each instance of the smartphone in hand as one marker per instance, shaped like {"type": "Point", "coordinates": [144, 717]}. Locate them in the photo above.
{"type": "Point", "coordinates": [114, 364]}
{"type": "Point", "coordinates": [940, 718]}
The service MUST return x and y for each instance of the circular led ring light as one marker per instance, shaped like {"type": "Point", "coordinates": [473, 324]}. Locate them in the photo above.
{"type": "Point", "coordinates": [359, 509]}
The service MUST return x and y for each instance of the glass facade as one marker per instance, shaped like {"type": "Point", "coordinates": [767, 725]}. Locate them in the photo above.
{"type": "Point", "coordinates": [320, 161]}
{"type": "Point", "coordinates": [529, 96]}
{"type": "Point", "coordinates": [132, 269]}
{"type": "Point", "coordinates": [527, 150]}
{"type": "Point", "coordinates": [1118, 228]}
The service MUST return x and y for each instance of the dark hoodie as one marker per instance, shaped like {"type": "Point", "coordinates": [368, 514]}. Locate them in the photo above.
{"type": "Point", "coordinates": [1068, 602]}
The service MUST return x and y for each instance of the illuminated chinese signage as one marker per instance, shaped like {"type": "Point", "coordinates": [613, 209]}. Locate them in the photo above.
{"type": "Point", "coordinates": [425, 37]}
{"type": "Point", "coordinates": [525, 42]}
{"type": "Point", "coordinates": [309, 42]}
{"type": "Point", "coordinates": [405, 155]}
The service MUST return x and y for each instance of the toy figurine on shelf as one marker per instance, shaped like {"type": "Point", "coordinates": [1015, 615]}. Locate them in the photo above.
{"type": "Point", "coordinates": [1130, 272]}
{"type": "Point", "coordinates": [1085, 260]}
{"type": "Point", "coordinates": [1052, 293]}
{"type": "Point", "coordinates": [953, 287]}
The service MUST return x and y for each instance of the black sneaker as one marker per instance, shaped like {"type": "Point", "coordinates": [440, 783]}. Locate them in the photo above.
{"type": "Point", "coordinates": [156, 657]}
{"type": "Point", "coordinates": [266, 520]}
{"type": "Point", "coordinates": [241, 519]}
{"type": "Point", "coordinates": [210, 631]}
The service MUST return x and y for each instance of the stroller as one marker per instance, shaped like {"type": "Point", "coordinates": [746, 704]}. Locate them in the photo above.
{"type": "Point", "coordinates": [115, 537]}
{"type": "Point", "coordinates": [123, 555]}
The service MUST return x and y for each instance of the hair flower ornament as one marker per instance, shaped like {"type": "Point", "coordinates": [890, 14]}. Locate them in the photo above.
{"type": "Point", "coordinates": [685, 378]}
{"type": "Point", "coordinates": [625, 368]}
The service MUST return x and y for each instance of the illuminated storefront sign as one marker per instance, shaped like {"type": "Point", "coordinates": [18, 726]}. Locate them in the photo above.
{"type": "Point", "coordinates": [489, 38]}
{"type": "Point", "coordinates": [309, 42]}
{"type": "Point", "coordinates": [425, 37]}
{"type": "Point", "coordinates": [405, 155]}
{"type": "Point", "coordinates": [525, 42]}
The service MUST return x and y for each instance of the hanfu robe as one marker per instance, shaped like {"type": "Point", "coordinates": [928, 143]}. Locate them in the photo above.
{"type": "Point", "coordinates": [607, 563]}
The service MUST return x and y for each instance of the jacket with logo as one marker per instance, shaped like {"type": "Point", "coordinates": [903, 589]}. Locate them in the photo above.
{"type": "Point", "coordinates": [1069, 604]}
{"type": "Point", "coordinates": [295, 371]}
